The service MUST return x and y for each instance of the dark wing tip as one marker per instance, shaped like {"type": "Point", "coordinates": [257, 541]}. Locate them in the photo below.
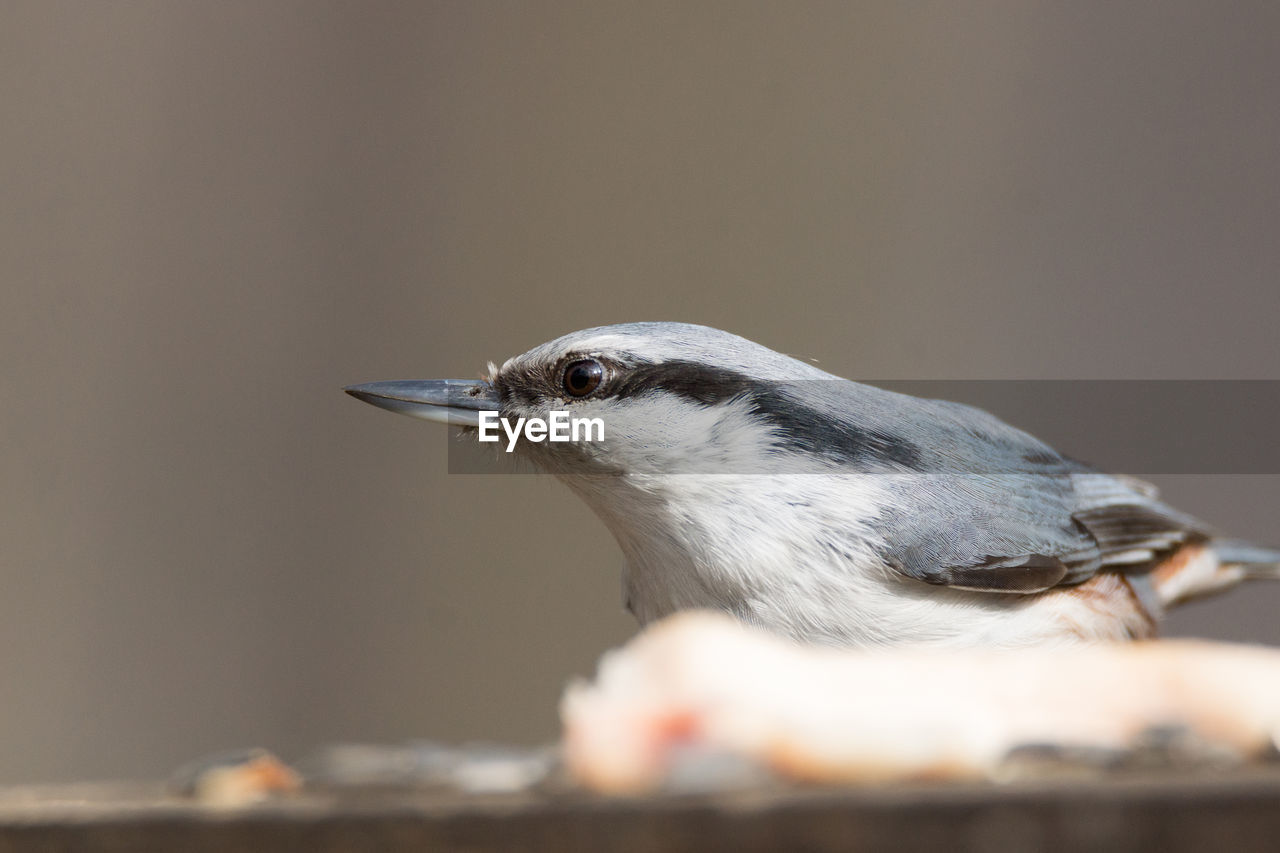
{"type": "Point", "coordinates": [1027, 573]}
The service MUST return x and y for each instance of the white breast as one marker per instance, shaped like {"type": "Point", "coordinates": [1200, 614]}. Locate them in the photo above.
{"type": "Point", "coordinates": [766, 549]}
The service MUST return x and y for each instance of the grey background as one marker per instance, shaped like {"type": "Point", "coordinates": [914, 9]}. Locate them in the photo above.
{"type": "Point", "coordinates": [215, 214]}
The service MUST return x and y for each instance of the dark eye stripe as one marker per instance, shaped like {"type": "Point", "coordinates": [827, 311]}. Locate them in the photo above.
{"type": "Point", "coordinates": [700, 383]}
{"type": "Point", "coordinates": [799, 426]}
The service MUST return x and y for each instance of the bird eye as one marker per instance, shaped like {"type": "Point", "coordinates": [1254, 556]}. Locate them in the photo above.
{"type": "Point", "coordinates": [582, 377]}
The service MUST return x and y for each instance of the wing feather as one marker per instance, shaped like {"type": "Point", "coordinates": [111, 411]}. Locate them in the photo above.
{"type": "Point", "coordinates": [998, 510]}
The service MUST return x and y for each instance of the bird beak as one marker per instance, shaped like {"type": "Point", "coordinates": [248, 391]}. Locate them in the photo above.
{"type": "Point", "coordinates": [447, 401]}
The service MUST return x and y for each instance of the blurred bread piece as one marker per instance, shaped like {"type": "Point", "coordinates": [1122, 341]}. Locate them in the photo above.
{"type": "Point", "coordinates": [812, 713]}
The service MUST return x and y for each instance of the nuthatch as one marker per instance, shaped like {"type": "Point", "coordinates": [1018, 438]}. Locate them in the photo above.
{"type": "Point", "coordinates": [736, 478]}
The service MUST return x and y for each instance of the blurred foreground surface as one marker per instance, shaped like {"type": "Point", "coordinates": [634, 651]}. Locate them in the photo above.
{"type": "Point", "coordinates": [710, 735]}
{"type": "Point", "coordinates": [1237, 812]}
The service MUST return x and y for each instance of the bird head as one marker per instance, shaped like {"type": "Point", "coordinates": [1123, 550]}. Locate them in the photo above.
{"type": "Point", "coordinates": [668, 398]}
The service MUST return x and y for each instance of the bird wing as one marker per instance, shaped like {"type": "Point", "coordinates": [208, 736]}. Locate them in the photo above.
{"type": "Point", "coordinates": [1028, 533]}
{"type": "Point", "coordinates": [995, 509]}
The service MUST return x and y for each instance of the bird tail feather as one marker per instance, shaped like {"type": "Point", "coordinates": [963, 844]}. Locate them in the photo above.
{"type": "Point", "coordinates": [1255, 561]}
{"type": "Point", "coordinates": [1205, 569]}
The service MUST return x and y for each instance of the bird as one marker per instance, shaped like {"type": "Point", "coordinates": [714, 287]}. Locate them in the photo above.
{"type": "Point", "coordinates": [738, 479]}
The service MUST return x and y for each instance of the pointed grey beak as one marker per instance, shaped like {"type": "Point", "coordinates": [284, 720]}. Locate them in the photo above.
{"type": "Point", "coordinates": [447, 401]}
